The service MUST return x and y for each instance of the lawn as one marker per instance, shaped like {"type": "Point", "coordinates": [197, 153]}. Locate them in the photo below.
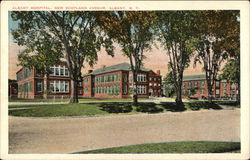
{"type": "Point", "coordinates": [81, 100]}
{"type": "Point", "coordinates": [56, 110]}
{"type": "Point", "coordinates": [173, 147]}
{"type": "Point", "coordinates": [90, 109]}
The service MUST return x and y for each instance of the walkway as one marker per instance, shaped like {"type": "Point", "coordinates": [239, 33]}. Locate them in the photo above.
{"type": "Point", "coordinates": [67, 135]}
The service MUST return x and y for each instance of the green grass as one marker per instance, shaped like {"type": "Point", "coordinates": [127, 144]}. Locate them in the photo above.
{"type": "Point", "coordinates": [174, 147]}
{"type": "Point", "coordinates": [81, 100]}
{"type": "Point", "coordinates": [87, 109]}
{"type": "Point", "coordinates": [56, 110]}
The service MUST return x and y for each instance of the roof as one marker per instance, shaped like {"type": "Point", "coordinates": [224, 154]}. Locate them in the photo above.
{"type": "Point", "coordinates": [194, 77]}
{"type": "Point", "coordinates": [122, 66]}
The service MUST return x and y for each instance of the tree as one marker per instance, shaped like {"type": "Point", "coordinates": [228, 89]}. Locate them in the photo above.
{"type": "Point", "coordinates": [41, 55]}
{"type": "Point", "coordinates": [168, 84]}
{"type": "Point", "coordinates": [76, 31]}
{"type": "Point", "coordinates": [215, 40]}
{"type": "Point", "coordinates": [132, 30]}
{"type": "Point", "coordinates": [231, 73]}
{"type": "Point", "coordinates": [175, 34]}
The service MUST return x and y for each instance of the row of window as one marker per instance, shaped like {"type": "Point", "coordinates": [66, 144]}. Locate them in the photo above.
{"type": "Point", "coordinates": [154, 79]}
{"type": "Point", "coordinates": [107, 78]}
{"type": "Point", "coordinates": [25, 87]}
{"type": "Point", "coordinates": [141, 89]}
{"type": "Point", "coordinates": [114, 89]}
{"type": "Point", "coordinates": [155, 84]}
{"type": "Point", "coordinates": [59, 71]}
{"type": "Point", "coordinates": [217, 91]}
{"type": "Point", "coordinates": [25, 74]}
{"type": "Point", "coordinates": [59, 86]}
{"type": "Point", "coordinates": [202, 84]}
{"type": "Point", "coordinates": [141, 78]}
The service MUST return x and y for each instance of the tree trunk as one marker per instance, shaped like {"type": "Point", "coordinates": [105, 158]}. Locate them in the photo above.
{"type": "Point", "coordinates": [135, 97]}
{"type": "Point", "coordinates": [238, 95]}
{"type": "Point", "coordinates": [45, 91]}
{"type": "Point", "coordinates": [178, 99]}
{"type": "Point", "coordinates": [210, 95]}
{"type": "Point", "coordinates": [74, 92]}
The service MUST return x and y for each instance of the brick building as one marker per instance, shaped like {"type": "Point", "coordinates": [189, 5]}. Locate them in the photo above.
{"type": "Point", "coordinates": [116, 81]}
{"type": "Point", "coordinates": [13, 88]}
{"type": "Point", "coordinates": [221, 88]}
{"type": "Point", "coordinates": [31, 83]}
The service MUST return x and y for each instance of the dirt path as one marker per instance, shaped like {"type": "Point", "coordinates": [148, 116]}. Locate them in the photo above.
{"type": "Point", "coordinates": [66, 135]}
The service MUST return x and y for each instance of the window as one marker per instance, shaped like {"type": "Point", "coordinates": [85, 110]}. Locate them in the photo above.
{"type": "Point", "coordinates": [39, 86]}
{"type": "Point", "coordinates": [62, 71]}
{"type": "Point", "coordinates": [59, 86]}
{"type": "Point", "coordinates": [150, 78]}
{"type": "Point", "coordinates": [66, 72]}
{"type": "Point", "coordinates": [118, 77]}
{"type": "Point", "coordinates": [189, 84]}
{"type": "Point", "coordinates": [202, 91]}
{"type": "Point", "coordinates": [125, 78]}
{"type": "Point", "coordinates": [195, 84]}
{"type": "Point", "coordinates": [150, 84]}
{"type": "Point", "coordinates": [233, 86]}
{"type": "Point", "coordinates": [217, 91]}
{"type": "Point", "coordinates": [217, 83]}
{"type": "Point", "coordinates": [118, 89]}
{"type": "Point", "coordinates": [59, 71]}
{"type": "Point", "coordinates": [141, 78]}
{"type": "Point", "coordinates": [80, 84]}
{"type": "Point", "coordinates": [202, 83]}
{"type": "Point", "coordinates": [225, 92]}
{"type": "Point", "coordinates": [80, 91]}
{"type": "Point", "coordinates": [141, 89]}
{"type": "Point", "coordinates": [125, 89]}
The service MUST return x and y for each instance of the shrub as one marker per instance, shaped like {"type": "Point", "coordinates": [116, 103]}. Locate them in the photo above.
{"type": "Point", "coordinates": [148, 108]}
{"type": "Point", "coordinates": [116, 107]}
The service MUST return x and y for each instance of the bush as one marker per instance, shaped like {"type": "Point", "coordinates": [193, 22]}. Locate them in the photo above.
{"type": "Point", "coordinates": [148, 108]}
{"type": "Point", "coordinates": [116, 107]}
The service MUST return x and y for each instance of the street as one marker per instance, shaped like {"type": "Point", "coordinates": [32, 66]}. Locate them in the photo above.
{"type": "Point", "coordinates": [74, 134]}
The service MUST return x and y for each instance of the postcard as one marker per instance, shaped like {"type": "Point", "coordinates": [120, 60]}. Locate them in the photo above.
{"type": "Point", "coordinates": [125, 80]}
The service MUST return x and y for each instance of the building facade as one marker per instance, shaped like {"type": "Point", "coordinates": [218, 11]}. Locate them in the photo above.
{"type": "Point", "coordinates": [196, 86]}
{"type": "Point", "coordinates": [13, 88]}
{"type": "Point", "coordinates": [113, 81]}
{"type": "Point", "coordinates": [117, 81]}
{"type": "Point", "coordinates": [32, 84]}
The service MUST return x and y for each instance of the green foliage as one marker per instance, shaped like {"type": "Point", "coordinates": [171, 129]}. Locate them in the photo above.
{"type": "Point", "coordinates": [105, 106]}
{"type": "Point", "coordinates": [148, 108]}
{"type": "Point", "coordinates": [168, 84]}
{"type": "Point", "coordinates": [133, 31]}
{"type": "Point", "coordinates": [173, 147]}
{"type": "Point", "coordinates": [76, 34]}
{"type": "Point", "coordinates": [175, 32]}
{"type": "Point", "coordinates": [231, 71]}
{"type": "Point", "coordinates": [116, 107]}
{"type": "Point", "coordinates": [218, 39]}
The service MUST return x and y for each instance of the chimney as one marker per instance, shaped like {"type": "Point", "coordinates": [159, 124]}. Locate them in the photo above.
{"type": "Point", "coordinates": [89, 71]}
{"type": "Point", "coordinates": [158, 72]}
